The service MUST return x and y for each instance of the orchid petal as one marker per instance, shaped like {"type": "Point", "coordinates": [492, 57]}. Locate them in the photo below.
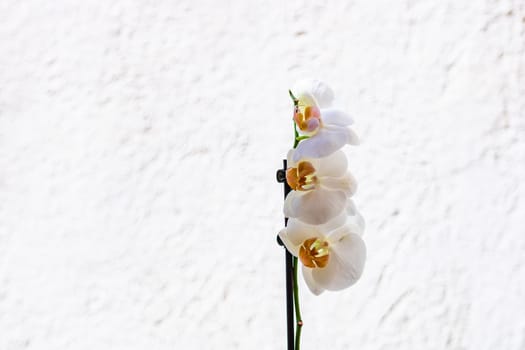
{"type": "Point", "coordinates": [354, 226]}
{"type": "Point", "coordinates": [314, 287]}
{"type": "Point", "coordinates": [346, 264]}
{"type": "Point", "coordinates": [328, 140]}
{"type": "Point", "coordinates": [298, 231]}
{"type": "Point", "coordinates": [339, 234]}
{"type": "Point", "coordinates": [288, 208]}
{"type": "Point", "coordinates": [323, 93]}
{"type": "Point", "coordinates": [314, 207]}
{"type": "Point", "coordinates": [290, 163]}
{"type": "Point", "coordinates": [359, 223]}
{"type": "Point", "coordinates": [349, 217]}
{"type": "Point", "coordinates": [336, 117]}
{"type": "Point", "coordinates": [288, 243]}
{"type": "Point", "coordinates": [354, 217]}
{"type": "Point", "coordinates": [351, 250]}
{"type": "Point", "coordinates": [347, 184]}
{"type": "Point", "coordinates": [334, 223]}
{"type": "Point", "coordinates": [308, 90]}
{"type": "Point", "coordinates": [303, 92]}
{"type": "Point", "coordinates": [334, 165]}
{"type": "Point", "coordinates": [351, 208]}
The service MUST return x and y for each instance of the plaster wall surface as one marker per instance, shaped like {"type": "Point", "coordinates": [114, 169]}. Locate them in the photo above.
{"type": "Point", "coordinates": [138, 147]}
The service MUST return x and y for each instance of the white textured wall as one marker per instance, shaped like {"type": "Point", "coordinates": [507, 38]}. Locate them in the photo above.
{"type": "Point", "coordinates": [139, 142]}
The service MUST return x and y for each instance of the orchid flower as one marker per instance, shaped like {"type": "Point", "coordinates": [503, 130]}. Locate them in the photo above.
{"type": "Point", "coordinates": [321, 187]}
{"type": "Point", "coordinates": [332, 255]}
{"type": "Point", "coordinates": [324, 128]}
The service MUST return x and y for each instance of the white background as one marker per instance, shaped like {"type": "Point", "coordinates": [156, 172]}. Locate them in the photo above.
{"type": "Point", "coordinates": [138, 147]}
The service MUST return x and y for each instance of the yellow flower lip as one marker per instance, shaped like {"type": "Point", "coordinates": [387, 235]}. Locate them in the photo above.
{"type": "Point", "coordinates": [301, 178]}
{"type": "Point", "coordinates": [314, 252]}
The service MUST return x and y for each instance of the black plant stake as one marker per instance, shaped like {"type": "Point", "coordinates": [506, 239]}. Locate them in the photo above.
{"type": "Point", "coordinates": [291, 263]}
{"type": "Point", "coordinates": [288, 273]}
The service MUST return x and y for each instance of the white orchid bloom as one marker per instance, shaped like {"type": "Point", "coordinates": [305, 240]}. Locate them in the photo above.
{"type": "Point", "coordinates": [326, 126]}
{"type": "Point", "coordinates": [332, 255]}
{"type": "Point", "coordinates": [321, 187]}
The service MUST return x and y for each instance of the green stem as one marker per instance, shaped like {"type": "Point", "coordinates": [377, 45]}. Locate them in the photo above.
{"type": "Point", "coordinates": [295, 100]}
{"type": "Point", "coordinates": [297, 306]}
{"type": "Point", "coordinates": [296, 133]}
{"type": "Point", "coordinates": [300, 138]}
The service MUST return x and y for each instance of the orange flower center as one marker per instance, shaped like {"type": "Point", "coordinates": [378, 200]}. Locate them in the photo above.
{"type": "Point", "coordinates": [301, 178]}
{"type": "Point", "coordinates": [308, 119]}
{"type": "Point", "coordinates": [314, 252]}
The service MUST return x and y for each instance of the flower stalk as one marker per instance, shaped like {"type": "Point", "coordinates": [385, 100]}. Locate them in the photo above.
{"type": "Point", "coordinates": [296, 137]}
{"type": "Point", "coordinates": [299, 319]}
